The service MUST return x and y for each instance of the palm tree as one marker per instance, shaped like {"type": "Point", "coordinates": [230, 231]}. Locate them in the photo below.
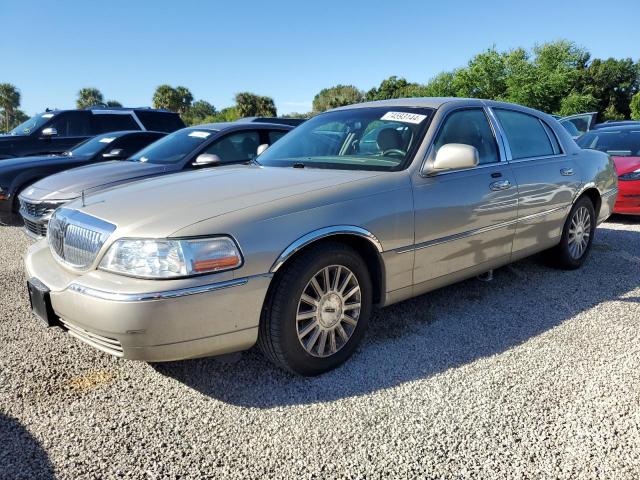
{"type": "Point", "coordinates": [9, 101]}
{"type": "Point", "coordinates": [88, 97]}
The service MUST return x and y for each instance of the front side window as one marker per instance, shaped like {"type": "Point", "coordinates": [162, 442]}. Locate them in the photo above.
{"type": "Point", "coordinates": [525, 133]}
{"type": "Point", "coordinates": [470, 127]}
{"type": "Point", "coordinates": [620, 143]}
{"type": "Point", "coordinates": [72, 124]}
{"type": "Point", "coordinates": [174, 147]}
{"type": "Point", "coordinates": [236, 147]}
{"type": "Point", "coordinates": [376, 138]}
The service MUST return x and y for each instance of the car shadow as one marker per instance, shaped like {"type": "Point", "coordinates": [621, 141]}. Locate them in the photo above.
{"type": "Point", "coordinates": [430, 334]}
{"type": "Point", "coordinates": [21, 456]}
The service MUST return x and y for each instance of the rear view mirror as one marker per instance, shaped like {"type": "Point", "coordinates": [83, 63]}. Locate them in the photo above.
{"type": "Point", "coordinates": [49, 132]}
{"type": "Point", "coordinates": [262, 148]}
{"type": "Point", "coordinates": [453, 156]}
{"type": "Point", "coordinates": [207, 159]}
{"type": "Point", "coordinates": [115, 154]}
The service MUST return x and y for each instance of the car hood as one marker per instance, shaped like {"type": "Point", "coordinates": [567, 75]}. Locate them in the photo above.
{"type": "Point", "coordinates": [70, 184]}
{"type": "Point", "coordinates": [161, 206]}
{"type": "Point", "coordinates": [624, 164]}
{"type": "Point", "coordinates": [24, 162]}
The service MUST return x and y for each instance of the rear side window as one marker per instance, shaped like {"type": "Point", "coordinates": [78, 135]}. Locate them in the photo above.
{"type": "Point", "coordinates": [109, 122]}
{"type": "Point", "coordinates": [525, 133]}
{"type": "Point", "coordinates": [160, 121]}
{"type": "Point", "coordinates": [470, 127]}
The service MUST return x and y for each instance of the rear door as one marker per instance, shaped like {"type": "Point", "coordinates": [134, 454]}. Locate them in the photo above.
{"type": "Point", "coordinates": [547, 178]}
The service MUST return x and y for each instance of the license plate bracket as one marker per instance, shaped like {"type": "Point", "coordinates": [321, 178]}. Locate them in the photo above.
{"type": "Point", "coordinates": [39, 296]}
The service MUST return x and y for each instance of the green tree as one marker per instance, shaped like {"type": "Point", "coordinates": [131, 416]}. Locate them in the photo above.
{"type": "Point", "coordinates": [612, 83]}
{"type": "Point", "coordinates": [9, 102]}
{"type": "Point", "coordinates": [577, 103]}
{"type": "Point", "coordinates": [88, 97]}
{"type": "Point", "coordinates": [298, 115]}
{"type": "Point", "coordinates": [635, 107]}
{"type": "Point", "coordinates": [441, 85]}
{"type": "Point", "coordinates": [394, 87]}
{"type": "Point", "coordinates": [198, 112]}
{"type": "Point", "coordinates": [337, 96]}
{"type": "Point", "coordinates": [251, 105]}
{"type": "Point", "coordinates": [229, 114]}
{"type": "Point", "coordinates": [484, 76]}
{"type": "Point", "coordinates": [173, 99]}
{"type": "Point", "coordinates": [113, 103]}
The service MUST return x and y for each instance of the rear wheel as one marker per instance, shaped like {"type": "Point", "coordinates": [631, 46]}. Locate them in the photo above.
{"type": "Point", "coordinates": [317, 311]}
{"type": "Point", "coordinates": [577, 236]}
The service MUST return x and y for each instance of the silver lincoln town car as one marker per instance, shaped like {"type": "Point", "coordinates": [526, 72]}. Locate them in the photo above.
{"type": "Point", "coordinates": [357, 208]}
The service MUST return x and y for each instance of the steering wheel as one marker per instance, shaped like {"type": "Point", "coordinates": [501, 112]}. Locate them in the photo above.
{"type": "Point", "coordinates": [393, 152]}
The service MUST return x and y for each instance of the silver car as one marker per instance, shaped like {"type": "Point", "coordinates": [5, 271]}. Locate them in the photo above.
{"type": "Point", "coordinates": [357, 208]}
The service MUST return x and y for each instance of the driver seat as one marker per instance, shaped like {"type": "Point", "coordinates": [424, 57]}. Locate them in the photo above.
{"type": "Point", "coordinates": [389, 139]}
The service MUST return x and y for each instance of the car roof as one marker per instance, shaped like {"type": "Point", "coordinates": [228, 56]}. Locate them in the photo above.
{"type": "Point", "coordinates": [617, 128]}
{"type": "Point", "coordinates": [220, 126]}
{"type": "Point", "coordinates": [437, 102]}
{"type": "Point", "coordinates": [101, 109]}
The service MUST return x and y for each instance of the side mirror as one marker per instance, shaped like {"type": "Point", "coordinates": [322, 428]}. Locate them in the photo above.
{"type": "Point", "coordinates": [207, 159]}
{"type": "Point", "coordinates": [115, 154]}
{"type": "Point", "coordinates": [453, 156]}
{"type": "Point", "coordinates": [262, 148]}
{"type": "Point", "coordinates": [49, 132]}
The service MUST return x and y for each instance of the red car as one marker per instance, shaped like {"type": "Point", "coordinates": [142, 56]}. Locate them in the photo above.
{"type": "Point", "coordinates": [623, 144]}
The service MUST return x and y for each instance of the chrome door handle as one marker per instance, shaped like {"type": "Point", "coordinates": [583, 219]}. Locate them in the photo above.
{"type": "Point", "coordinates": [567, 172]}
{"type": "Point", "coordinates": [501, 185]}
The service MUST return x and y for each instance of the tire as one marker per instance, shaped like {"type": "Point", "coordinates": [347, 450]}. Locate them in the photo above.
{"type": "Point", "coordinates": [289, 323]}
{"type": "Point", "coordinates": [574, 245]}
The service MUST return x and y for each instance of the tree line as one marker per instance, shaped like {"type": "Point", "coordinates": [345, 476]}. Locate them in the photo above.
{"type": "Point", "coordinates": [555, 77]}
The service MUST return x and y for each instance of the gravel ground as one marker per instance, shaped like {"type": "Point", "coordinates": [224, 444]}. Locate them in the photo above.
{"type": "Point", "coordinates": [533, 375]}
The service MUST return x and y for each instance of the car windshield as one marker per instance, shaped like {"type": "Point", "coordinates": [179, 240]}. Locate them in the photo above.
{"type": "Point", "coordinates": [34, 123]}
{"type": "Point", "coordinates": [173, 147]}
{"type": "Point", "coordinates": [621, 143]}
{"type": "Point", "coordinates": [377, 138]}
{"type": "Point", "coordinates": [92, 146]}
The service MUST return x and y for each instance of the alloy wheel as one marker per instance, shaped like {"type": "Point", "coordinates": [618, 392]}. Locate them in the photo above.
{"type": "Point", "coordinates": [579, 232]}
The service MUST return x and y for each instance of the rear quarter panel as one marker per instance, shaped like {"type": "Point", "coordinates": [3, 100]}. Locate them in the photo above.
{"type": "Point", "coordinates": [598, 170]}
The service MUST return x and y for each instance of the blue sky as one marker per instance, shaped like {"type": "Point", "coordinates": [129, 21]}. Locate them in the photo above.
{"type": "Point", "coordinates": [288, 50]}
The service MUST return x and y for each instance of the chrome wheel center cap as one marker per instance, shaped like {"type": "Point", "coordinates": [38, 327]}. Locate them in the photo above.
{"type": "Point", "coordinates": [330, 310]}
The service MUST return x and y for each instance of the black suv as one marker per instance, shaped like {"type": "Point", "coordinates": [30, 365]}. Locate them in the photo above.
{"type": "Point", "coordinates": [56, 131]}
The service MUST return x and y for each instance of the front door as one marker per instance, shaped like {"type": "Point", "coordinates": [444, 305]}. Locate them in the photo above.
{"type": "Point", "coordinates": [464, 218]}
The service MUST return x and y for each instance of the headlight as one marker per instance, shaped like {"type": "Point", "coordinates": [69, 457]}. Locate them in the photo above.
{"type": "Point", "coordinates": [635, 175]}
{"type": "Point", "coordinates": [171, 258]}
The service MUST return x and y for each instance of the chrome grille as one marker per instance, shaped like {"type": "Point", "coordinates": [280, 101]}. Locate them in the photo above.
{"type": "Point", "coordinates": [37, 209]}
{"type": "Point", "coordinates": [37, 229]}
{"type": "Point", "coordinates": [75, 238]}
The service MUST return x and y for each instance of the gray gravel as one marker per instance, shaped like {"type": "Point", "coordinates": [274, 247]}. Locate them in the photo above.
{"type": "Point", "coordinates": [534, 375]}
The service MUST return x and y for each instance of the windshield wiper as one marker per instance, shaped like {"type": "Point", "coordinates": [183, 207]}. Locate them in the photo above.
{"type": "Point", "coordinates": [298, 165]}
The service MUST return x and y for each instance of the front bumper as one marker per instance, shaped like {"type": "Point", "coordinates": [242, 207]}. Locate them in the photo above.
{"type": "Point", "coordinates": [153, 320]}
{"type": "Point", "coordinates": [628, 201]}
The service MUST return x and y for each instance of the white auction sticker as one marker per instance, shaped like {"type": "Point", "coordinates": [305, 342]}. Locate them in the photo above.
{"type": "Point", "coordinates": [199, 134]}
{"type": "Point", "coordinates": [404, 117]}
{"type": "Point", "coordinates": [107, 139]}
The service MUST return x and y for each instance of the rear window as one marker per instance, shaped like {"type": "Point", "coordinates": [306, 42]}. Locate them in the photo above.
{"type": "Point", "coordinates": [160, 121]}
{"type": "Point", "coordinates": [112, 122]}
{"type": "Point", "coordinates": [621, 143]}
{"type": "Point", "coordinates": [525, 133]}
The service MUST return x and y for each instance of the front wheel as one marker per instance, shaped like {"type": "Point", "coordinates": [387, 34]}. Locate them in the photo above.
{"type": "Point", "coordinates": [317, 311]}
{"type": "Point", "coordinates": [577, 236]}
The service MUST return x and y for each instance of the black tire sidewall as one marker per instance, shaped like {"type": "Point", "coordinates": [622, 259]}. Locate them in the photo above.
{"type": "Point", "coordinates": [297, 358]}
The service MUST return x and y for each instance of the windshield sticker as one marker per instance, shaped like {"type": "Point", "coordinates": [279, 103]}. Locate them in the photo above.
{"type": "Point", "coordinates": [144, 159]}
{"type": "Point", "coordinates": [47, 115]}
{"type": "Point", "coordinates": [404, 117]}
{"type": "Point", "coordinates": [199, 134]}
{"type": "Point", "coordinates": [107, 139]}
